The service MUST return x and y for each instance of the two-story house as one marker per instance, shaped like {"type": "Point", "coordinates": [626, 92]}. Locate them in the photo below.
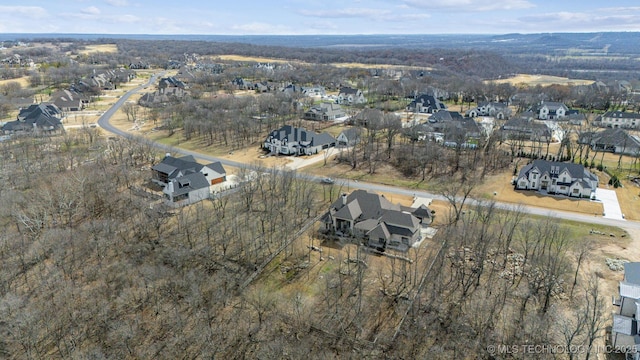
{"type": "Point", "coordinates": [289, 140]}
{"type": "Point", "coordinates": [426, 104]}
{"type": "Point", "coordinates": [625, 333]}
{"type": "Point", "coordinates": [490, 108]}
{"type": "Point", "coordinates": [619, 119]}
{"type": "Point", "coordinates": [350, 96]}
{"type": "Point", "coordinates": [549, 110]}
{"type": "Point", "coordinates": [186, 181]}
{"type": "Point", "coordinates": [375, 221]}
{"type": "Point", "coordinates": [38, 118]}
{"type": "Point", "coordinates": [324, 112]}
{"type": "Point", "coordinates": [554, 177]}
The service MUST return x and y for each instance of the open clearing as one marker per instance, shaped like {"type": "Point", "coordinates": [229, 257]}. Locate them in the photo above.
{"type": "Point", "coordinates": [342, 65]}
{"type": "Point", "coordinates": [542, 80]}
{"type": "Point", "coordinates": [105, 48]}
{"type": "Point", "coordinates": [23, 81]}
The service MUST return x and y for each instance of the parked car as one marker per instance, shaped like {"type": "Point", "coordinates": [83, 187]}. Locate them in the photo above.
{"type": "Point", "coordinates": [327, 180]}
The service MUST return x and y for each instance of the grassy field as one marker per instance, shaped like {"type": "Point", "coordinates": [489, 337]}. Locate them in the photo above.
{"type": "Point", "coordinates": [342, 65]}
{"type": "Point", "coordinates": [23, 81]}
{"type": "Point", "coordinates": [542, 80]}
{"type": "Point", "coordinates": [105, 48]}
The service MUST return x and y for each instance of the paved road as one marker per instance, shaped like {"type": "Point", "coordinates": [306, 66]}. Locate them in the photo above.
{"type": "Point", "coordinates": [346, 184]}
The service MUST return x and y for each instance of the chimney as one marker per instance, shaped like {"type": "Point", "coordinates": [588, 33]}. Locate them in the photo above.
{"type": "Point", "coordinates": [344, 199]}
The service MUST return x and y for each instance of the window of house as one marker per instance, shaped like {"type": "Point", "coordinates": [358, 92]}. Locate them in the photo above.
{"type": "Point", "coordinates": [535, 176]}
{"type": "Point", "coordinates": [575, 191]}
{"type": "Point", "coordinates": [533, 184]}
{"type": "Point", "coordinates": [381, 240]}
{"type": "Point", "coordinates": [405, 240]}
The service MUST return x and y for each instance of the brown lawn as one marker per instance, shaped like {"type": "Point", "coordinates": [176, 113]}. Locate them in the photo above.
{"type": "Point", "coordinates": [105, 48]}
{"type": "Point", "coordinates": [500, 184]}
{"type": "Point", "coordinates": [542, 80]}
{"type": "Point", "coordinates": [23, 81]}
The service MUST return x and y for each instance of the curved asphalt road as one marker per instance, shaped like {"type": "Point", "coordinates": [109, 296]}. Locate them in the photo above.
{"type": "Point", "coordinates": [103, 121]}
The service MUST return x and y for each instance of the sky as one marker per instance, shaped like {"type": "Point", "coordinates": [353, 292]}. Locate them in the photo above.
{"type": "Point", "coordinates": [314, 17]}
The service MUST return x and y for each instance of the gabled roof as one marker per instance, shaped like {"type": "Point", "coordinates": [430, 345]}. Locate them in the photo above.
{"type": "Point", "coordinates": [400, 218]}
{"type": "Point", "coordinates": [621, 115]}
{"type": "Point", "coordinates": [443, 116]}
{"type": "Point", "coordinates": [66, 99]}
{"type": "Point", "coordinates": [554, 168]}
{"type": "Point", "coordinates": [217, 167]}
{"type": "Point", "coordinates": [171, 165]}
{"type": "Point", "coordinates": [551, 105]}
{"type": "Point", "coordinates": [347, 90]}
{"type": "Point", "coordinates": [351, 211]}
{"type": "Point", "coordinates": [294, 134]}
{"type": "Point", "coordinates": [352, 133]}
{"type": "Point", "coordinates": [632, 273]}
{"type": "Point", "coordinates": [186, 184]}
{"type": "Point", "coordinates": [613, 137]}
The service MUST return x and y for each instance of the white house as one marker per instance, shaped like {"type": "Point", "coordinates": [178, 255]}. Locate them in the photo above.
{"type": "Point", "coordinates": [495, 109]}
{"type": "Point", "coordinates": [625, 334]}
{"type": "Point", "coordinates": [548, 110]}
{"type": "Point", "coordinates": [187, 189]}
{"type": "Point", "coordinates": [289, 140]}
{"type": "Point", "coordinates": [620, 119]}
{"type": "Point", "coordinates": [557, 178]}
{"type": "Point", "coordinates": [350, 96]}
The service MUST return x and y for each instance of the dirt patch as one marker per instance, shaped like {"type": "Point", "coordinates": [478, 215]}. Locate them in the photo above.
{"type": "Point", "coordinates": [23, 81]}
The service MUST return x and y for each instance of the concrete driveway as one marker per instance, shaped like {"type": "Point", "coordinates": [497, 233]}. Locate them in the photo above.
{"type": "Point", "coordinates": [610, 203]}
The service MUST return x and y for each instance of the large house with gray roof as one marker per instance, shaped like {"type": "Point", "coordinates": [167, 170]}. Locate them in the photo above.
{"type": "Point", "coordinates": [184, 180]}
{"type": "Point", "coordinates": [619, 119]}
{"type": "Point", "coordinates": [552, 177]}
{"type": "Point", "coordinates": [41, 118]}
{"type": "Point", "coordinates": [426, 104]}
{"type": "Point", "coordinates": [289, 140]}
{"type": "Point", "coordinates": [615, 140]}
{"type": "Point", "coordinates": [348, 95]}
{"type": "Point", "coordinates": [375, 221]}
{"type": "Point", "coordinates": [625, 332]}
{"type": "Point", "coordinates": [549, 110]}
{"type": "Point", "coordinates": [324, 112]}
{"type": "Point", "coordinates": [490, 108]}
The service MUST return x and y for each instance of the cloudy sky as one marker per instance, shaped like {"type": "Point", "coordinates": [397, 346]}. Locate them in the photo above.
{"type": "Point", "coordinates": [303, 17]}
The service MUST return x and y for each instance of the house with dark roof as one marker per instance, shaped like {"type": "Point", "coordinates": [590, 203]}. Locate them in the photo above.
{"type": "Point", "coordinates": [67, 100]}
{"type": "Point", "coordinates": [625, 332]}
{"type": "Point", "coordinates": [37, 118]}
{"type": "Point", "coordinates": [375, 221]}
{"type": "Point", "coordinates": [616, 140]}
{"type": "Point", "coordinates": [184, 180]}
{"type": "Point", "coordinates": [162, 97]}
{"type": "Point", "coordinates": [490, 108]}
{"type": "Point", "coordinates": [549, 110]}
{"type": "Point", "coordinates": [324, 112]}
{"type": "Point", "coordinates": [619, 119]}
{"type": "Point", "coordinates": [551, 177]}
{"type": "Point", "coordinates": [349, 137]}
{"type": "Point", "coordinates": [171, 82]}
{"type": "Point", "coordinates": [451, 129]}
{"type": "Point", "coordinates": [289, 140]}
{"type": "Point", "coordinates": [350, 96]}
{"type": "Point", "coordinates": [171, 168]}
{"type": "Point", "coordinates": [426, 104]}
{"type": "Point", "coordinates": [187, 189]}
{"type": "Point", "coordinates": [368, 117]}
{"type": "Point", "coordinates": [524, 128]}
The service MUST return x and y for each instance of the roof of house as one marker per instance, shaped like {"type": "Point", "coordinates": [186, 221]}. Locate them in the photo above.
{"type": "Point", "coordinates": [621, 115]}
{"type": "Point", "coordinates": [576, 171]}
{"type": "Point", "coordinates": [66, 98]}
{"type": "Point", "coordinates": [428, 101]}
{"type": "Point", "coordinates": [188, 183]}
{"type": "Point", "coordinates": [551, 105]}
{"type": "Point", "coordinates": [632, 272]}
{"type": "Point", "coordinates": [374, 213]}
{"type": "Point", "coordinates": [43, 116]}
{"type": "Point", "coordinates": [294, 134]}
{"type": "Point", "coordinates": [352, 133]}
{"type": "Point", "coordinates": [612, 137]}
{"type": "Point", "coordinates": [443, 116]}
{"type": "Point", "coordinates": [348, 90]}
{"type": "Point", "coordinates": [187, 164]}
